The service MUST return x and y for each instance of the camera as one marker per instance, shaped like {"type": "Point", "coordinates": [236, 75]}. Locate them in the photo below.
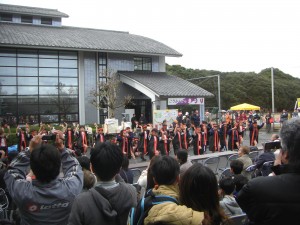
{"type": "Point", "coordinates": [50, 137]}
{"type": "Point", "coordinates": [273, 145]}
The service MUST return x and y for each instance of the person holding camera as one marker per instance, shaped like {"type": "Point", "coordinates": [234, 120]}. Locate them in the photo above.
{"type": "Point", "coordinates": [47, 199]}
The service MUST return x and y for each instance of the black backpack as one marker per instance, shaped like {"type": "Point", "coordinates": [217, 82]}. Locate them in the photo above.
{"type": "Point", "coordinates": [139, 213]}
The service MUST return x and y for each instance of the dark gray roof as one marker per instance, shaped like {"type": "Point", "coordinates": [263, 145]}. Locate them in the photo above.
{"type": "Point", "coordinates": [31, 10]}
{"type": "Point", "coordinates": [64, 37]}
{"type": "Point", "coordinates": [167, 85]}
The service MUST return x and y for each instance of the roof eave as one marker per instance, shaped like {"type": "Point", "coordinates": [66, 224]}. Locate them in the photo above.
{"type": "Point", "coordinates": [88, 50]}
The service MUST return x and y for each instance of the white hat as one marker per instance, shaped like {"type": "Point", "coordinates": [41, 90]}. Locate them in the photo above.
{"type": "Point", "coordinates": [186, 113]}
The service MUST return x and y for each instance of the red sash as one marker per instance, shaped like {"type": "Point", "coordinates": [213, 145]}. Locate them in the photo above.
{"type": "Point", "coordinates": [179, 139]}
{"type": "Point", "coordinates": [155, 146]}
{"type": "Point", "coordinates": [216, 140]}
{"type": "Point", "coordinates": [184, 140]}
{"type": "Point", "coordinates": [70, 139]}
{"type": "Point", "coordinates": [198, 143]}
{"type": "Point", "coordinates": [254, 133]}
{"type": "Point", "coordinates": [124, 146]}
{"type": "Point", "coordinates": [23, 142]}
{"type": "Point", "coordinates": [145, 142]}
{"type": "Point", "coordinates": [84, 141]}
{"type": "Point", "coordinates": [101, 139]}
{"type": "Point", "coordinates": [205, 138]}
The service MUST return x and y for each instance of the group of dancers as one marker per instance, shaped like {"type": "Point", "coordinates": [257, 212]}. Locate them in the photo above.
{"type": "Point", "coordinates": [145, 140]}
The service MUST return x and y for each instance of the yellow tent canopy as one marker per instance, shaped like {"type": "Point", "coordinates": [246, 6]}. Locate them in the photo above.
{"type": "Point", "coordinates": [245, 106]}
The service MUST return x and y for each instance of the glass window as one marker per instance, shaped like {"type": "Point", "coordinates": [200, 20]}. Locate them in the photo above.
{"type": "Point", "coordinates": [144, 64]}
{"type": "Point", "coordinates": [69, 117]}
{"type": "Point", "coordinates": [68, 81]}
{"type": "Point", "coordinates": [102, 58]}
{"type": "Point", "coordinates": [28, 99]}
{"type": "Point", "coordinates": [27, 81]}
{"type": "Point", "coordinates": [4, 61]}
{"type": "Point", "coordinates": [27, 71]}
{"type": "Point", "coordinates": [48, 90]}
{"type": "Point", "coordinates": [8, 105]}
{"type": "Point", "coordinates": [68, 73]}
{"type": "Point", "coordinates": [7, 71]}
{"type": "Point", "coordinates": [28, 109]}
{"type": "Point", "coordinates": [48, 81]}
{"type": "Point", "coordinates": [48, 99]}
{"type": "Point", "coordinates": [32, 62]}
{"type": "Point", "coordinates": [51, 72]}
{"type": "Point", "coordinates": [48, 54]}
{"type": "Point", "coordinates": [102, 71]}
{"type": "Point", "coordinates": [68, 90]}
{"type": "Point", "coordinates": [8, 90]}
{"type": "Point", "coordinates": [7, 52]}
{"type": "Point", "coordinates": [68, 99]}
{"type": "Point", "coordinates": [8, 81]}
{"type": "Point", "coordinates": [26, 19]}
{"type": "Point", "coordinates": [67, 55]}
{"type": "Point", "coordinates": [49, 109]}
{"type": "Point", "coordinates": [46, 20]}
{"type": "Point", "coordinates": [27, 53]}
{"type": "Point", "coordinates": [28, 90]}
{"type": "Point", "coordinates": [138, 64]}
{"type": "Point", "coordinates": [6, 17]}
{"type": "Point", "coordinates": [49, 118]}
{"type": "Point", "coordinates": [48, 62]}
{"type": "Point", "coordinates": [68, 63]}
{"type": "Point", "coordinates": [69, 108]}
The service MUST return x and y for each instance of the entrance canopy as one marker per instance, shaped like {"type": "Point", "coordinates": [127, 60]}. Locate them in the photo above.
{"type": "Point", "coordinates": [245, 106]}
{"type": "Point", "coordinates": [162, 85]}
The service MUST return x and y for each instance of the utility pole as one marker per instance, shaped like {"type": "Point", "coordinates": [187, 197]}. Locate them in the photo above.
{"type": "Point", "coordinates": [272, 85]}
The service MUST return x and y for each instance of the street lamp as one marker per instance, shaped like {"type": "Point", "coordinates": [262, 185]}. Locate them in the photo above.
{"type": "Point", "coordinates": [219, 87]}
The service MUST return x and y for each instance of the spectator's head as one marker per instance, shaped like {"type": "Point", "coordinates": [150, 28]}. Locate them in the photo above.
{"type": "Point", "coordinates": [226, 186]}
{"type": "Point", "coordinates": [154, 132]}
{"type": "Point", "coordinates": [199, 190]}
{"type": "Point", "coordinates": [239, 181]}
{"type": "Point", "coordinates": [236, 166]}
{"type": "Point", "coordinates": [244, 150]}
{"type": "Point", "coordinates": [45, 162]}
{"type": "Point", "coordinates": [125, 163]}
{"type": "Point", "coordinates": [150, 181]}
{"type": "Point", "coordinates": [275, 137]}
{"type": "Point", "coordinates": [88, 179]}
{"type": "Point", "coordinates": [165, 170]}
{"type": "Point", "coordinates": [84, 162]}
{"type": "Point", "coordinates": [182, 156]}
{"type": "Point", "coordinates": [290, 142]}
{"type": "Point", "coordinates": [81, 128]}
{"type": "Point", "coordinates": [106, 161]}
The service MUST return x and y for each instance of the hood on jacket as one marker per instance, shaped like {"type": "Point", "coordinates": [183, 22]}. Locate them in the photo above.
{"type": "Point", "coordinates": [230, 206]}
{"type": "Point", "coordinates": [111, 202]}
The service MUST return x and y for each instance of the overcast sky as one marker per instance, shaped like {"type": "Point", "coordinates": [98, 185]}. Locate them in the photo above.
{"type": "Point", "coordinates": [224, 35]}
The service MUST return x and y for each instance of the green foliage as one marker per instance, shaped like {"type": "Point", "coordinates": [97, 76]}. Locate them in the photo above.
{"type": "Point", "coordinates": [249, 87]}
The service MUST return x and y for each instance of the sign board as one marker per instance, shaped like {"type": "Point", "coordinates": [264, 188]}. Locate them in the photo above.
{"type": "Point", "coordinates": [111, 126]}
{"type": "Point", "coordinates": [160, 115]}
{"type": "Point", "coordinates": [185, 101]}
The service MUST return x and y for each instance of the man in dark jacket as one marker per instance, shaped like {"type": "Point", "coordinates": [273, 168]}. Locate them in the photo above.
{"type": "Point", "coordinates": [110, 201]}
{"type": "Point", "coordinates": [275, 199]}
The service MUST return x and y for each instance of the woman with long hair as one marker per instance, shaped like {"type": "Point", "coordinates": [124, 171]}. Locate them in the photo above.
{"type": "Point", "coordinates": [199, 191]}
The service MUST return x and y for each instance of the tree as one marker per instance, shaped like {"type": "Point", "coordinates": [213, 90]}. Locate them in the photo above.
{"type": "Point", "coordinates": [106, 94]}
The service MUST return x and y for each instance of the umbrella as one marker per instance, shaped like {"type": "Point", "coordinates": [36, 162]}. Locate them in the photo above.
{"type": "Point", "coordinates": [245, 106]}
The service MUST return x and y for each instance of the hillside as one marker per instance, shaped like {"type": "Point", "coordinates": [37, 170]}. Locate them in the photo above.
{"type": "Point", "coordinates": [250, 87]}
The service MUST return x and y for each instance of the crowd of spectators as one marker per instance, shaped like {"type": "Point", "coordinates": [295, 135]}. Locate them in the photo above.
{"type": "Point", "coordinates": [48, 184]}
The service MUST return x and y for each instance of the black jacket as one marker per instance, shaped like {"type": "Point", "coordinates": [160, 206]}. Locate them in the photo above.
{"type": "Point", "coordinates": [272, 200]}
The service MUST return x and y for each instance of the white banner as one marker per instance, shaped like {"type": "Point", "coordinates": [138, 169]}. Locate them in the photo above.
{"type": "Point", "coordinates": [185, 101]}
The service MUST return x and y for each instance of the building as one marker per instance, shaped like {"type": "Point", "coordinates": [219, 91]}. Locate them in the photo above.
{"type": "Point", "coordinates": [47, 70]}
